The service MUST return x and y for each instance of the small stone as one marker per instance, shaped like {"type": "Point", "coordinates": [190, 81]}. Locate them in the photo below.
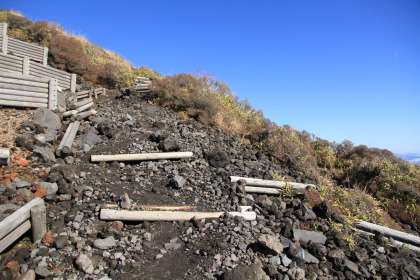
{"type": "Point", "coordinates": [42, 271]}
{"type": "Point", "coordinates": [105, 244]}
{"type": "Point", "coordinates": [23, 184]}
{"type": "Point", "coordinates": [271, 242]}
{"type": "Point", "coordinates": [306, 236]}
{"type": "Point", "coordinates": [178, 182]}
{"type": "Point", "coordinates": [125, 201]}
{"type": "Point", "coordinates": [61, 241]}
{"type": "Point", "coordinates": [28, 275]}
{"type": "Point", "coordinates": [85, 263]}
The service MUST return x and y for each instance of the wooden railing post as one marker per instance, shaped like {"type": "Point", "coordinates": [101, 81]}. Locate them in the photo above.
{"type": "Point", "coordinates": [39, 222]}
{"type": "Point", "coordinates": [52, 94]}
{"type": "Point", "coordinates": [73, 83]}
{"type": "Point", "coordinates": [4, 43]}
{"type": "Point", "coordinates": [45, 59]}
{"type": "Point", "coordinates": [25, 66]}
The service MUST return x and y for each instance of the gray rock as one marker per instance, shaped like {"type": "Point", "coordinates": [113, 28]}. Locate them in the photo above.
{"type": "Point", "coordinates": [46, 118]}
{"type": "Point", "coordinates": [169, 145]}
{"type": "Point", "coordinates": [51, 188]}
{"type": "Point", "coordinates": [353, 267]}
{"type": "Point", "coordinates": [61, 241]}
{"type": "Point", "coordinates": [413, 271]}
{"type": "Point", "coordinates": [85, 263]}
{"type": "Point", "coordinates": [45, 153]}
{"type": "Point", "coordinates": [130, 122]}
{"type": "Point", "coordinates": [105, 244]}
{"type": "Point", "coordinates": [217, 158]}
{"type": "Point", "coordinates": [285, 260]}
{"type": "Point", "coordinates": [296, 273]}
{"type": "Point", "coordinates": [246, 272]}
{"type": "Point", "coordinates": [323, 210]}
{"type": "Point", "coordinates": [47, 137]}
{"type": "Point", "coordinates": [126, 201]}
{"type": "Point", "coordinates": [23, 184]}
{"type": "Point", "coordinates": [178, 182]}
{"type": "Point", "coordinates": [79, 218]}
{"type": "Point", "coordinates": [173, 244]}
{"type": "Point", "coordinates": [4, 156]}
{"type": "Point", "coordinates": [42, 271]}
{"type": "Point", "coordinates": [28, 275]}
{"type": "Point", "coordinates": [91, 139]}
{"type": "Point", "coordinates": [271, 242]}
{"type": "Point", "coordinates": [307, 212]}
{"type": "Point", "coordinates": [306, 236]}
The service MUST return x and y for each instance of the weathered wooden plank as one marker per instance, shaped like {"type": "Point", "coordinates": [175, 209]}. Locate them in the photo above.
{"type": "Point", "coordinates": [18, 217]}
{"type": "Point", "coordinates": [16, 63]}
{"type": "Point", "coordinates": [84, 107]}
{"type": "Point", "coordinates": [10, 58]}
{"type": "Point", "coordinates": [22, 104]}
{"type": "Point", "coordinates": [80, 103]}
{"type": "Point", "coordinates": [154, 207]}
{"type": "Point", "coordinates": [73, 80]}
{"type": "Point", "coordinates": [23, 78]}
{"type": "Point", "coordinates": [83, 115]}
{"type": "Point", "coordinates": [21, 92]}
{"type": "Point", "coordinates": [23, 98]}
{"type": "Point", "coordinates": [12, 68]}
{"type": "Point", "coordinates": [6, 95]}
{"type": "Point", "coordinates": [17, 48]}
{"type": "Point", "coordinates": [127, 215]}
{"type": "Point", "coordinates": [14, 235]}
{"type": "Point", "coordinates": [33, 47]}
{"type": "Point", "coordinates": [270, 183]}
{"type": "Point", "coordinates": [23, 88]}
{"type": "Point", "coordinates": [138, 157]}
{"type": "Point", "coordinates": [271, 191]}
{"type": "Point", "coordinates": [43, 68]}
{"type": "Point", "coordinates": [395, 234]}
{"type": "Point", "coordinates": [50, 74]}
{"type": "Point", "coordinates": [11, 49]}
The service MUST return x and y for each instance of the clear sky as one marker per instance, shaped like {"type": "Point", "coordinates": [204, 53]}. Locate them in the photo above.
{"type": "Point", "coordinates": [338, 69]}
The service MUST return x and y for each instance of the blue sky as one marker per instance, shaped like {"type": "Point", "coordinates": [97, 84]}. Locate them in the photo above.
{"type": "Point", "coordinates": [338, 69]}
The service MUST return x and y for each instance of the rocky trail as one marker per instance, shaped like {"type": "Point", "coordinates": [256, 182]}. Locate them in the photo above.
{"type": "Point", "coordinates": [288, 240]}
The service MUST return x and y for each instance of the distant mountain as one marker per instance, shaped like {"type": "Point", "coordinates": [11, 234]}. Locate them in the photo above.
{"type": "Point", "coordinates": [413, 158]}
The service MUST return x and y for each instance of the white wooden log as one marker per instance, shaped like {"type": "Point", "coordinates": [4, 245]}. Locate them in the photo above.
{"type": "Point", "coordinates": [138, 157]}
{"type": "Point", "coordinates": [155, 207]}
{"type": "Point", "coordinates": [4, 156]}
{"type": "Point", "coordinates": [69, 140]}
{"type": "Point", "coordinates": [127, 215]}
{"type": "Point", "coordinates": [84, 107]}
{"type": "Point", "coordinates": [398, 243]}
{"type": "Point", "coordinates": [270, 183]}
{"type": "Point", "coordinates": [83, 115]}
{"type": "Point", "coordinates": [39, 222]}
{"type": "Point", "coordinates": [22, 104]}
{"type": "Point", "coordinates": [23, 98]}
{"type": "Point", "coordinates": [80, 103]}
{"type": "Point", "coordinates": [271, 191]}
{"type": "Point", "coordinates": [395, 234]}
{"type": "Point", "coordinates": [18, 217]}
{"type": "Point", "coordinates": [69, 113]}
{"type": "Point", "coordinates": [14, 235]}
{"type": "Point", "coordinates": [52, 94]}
{"type": "Point", "coordinates": [63, 140]}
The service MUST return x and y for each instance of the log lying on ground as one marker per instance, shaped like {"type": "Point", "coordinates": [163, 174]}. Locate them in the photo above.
{"type": "Point", "coordinates": [14, 235]}
{"type": "Point", "coordinates": [69, 140]}
{"type": "Point", "coordinates": [84, 107]}
{"type": "Point", "coordinates": [76, 105]}
{"type": "Point", "coordinates": [270, 183]}
{"type": "Point", "coordinates": [66, 135]}
{"type": "Point", "coordinates": [69, 113]}
{"type": "Point", "coordinates": [271, 191]}
{"type": "Point", "coordinates": [155, 207]}
{"type": "Point", "coordinates": [138, 157]}
{"type": "Point", "coordinates": [395, 234]}
{"type": "Point", "coordinates": [83, 115]}
{"type": "Point", "coordinates": [127, 215]}
{"type": "Point", "coordinates": [398, 243]}
{"type": "Point", "coordinates": [4, 156]}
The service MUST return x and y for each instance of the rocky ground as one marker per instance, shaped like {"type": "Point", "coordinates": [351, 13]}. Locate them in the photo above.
{"type": "Point", "coordinates": [289, 240]}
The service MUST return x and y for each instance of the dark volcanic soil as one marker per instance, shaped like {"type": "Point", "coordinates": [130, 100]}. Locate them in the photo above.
{"type": "Point", "coordinates": [84, 247]}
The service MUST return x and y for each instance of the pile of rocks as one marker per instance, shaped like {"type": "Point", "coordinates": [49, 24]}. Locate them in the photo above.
{"type": "Point", "coordinates": [289, 240]}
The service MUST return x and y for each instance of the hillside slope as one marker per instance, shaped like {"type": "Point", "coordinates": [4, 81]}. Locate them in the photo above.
{"type": "Point", "coordinates": [82, 245]}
